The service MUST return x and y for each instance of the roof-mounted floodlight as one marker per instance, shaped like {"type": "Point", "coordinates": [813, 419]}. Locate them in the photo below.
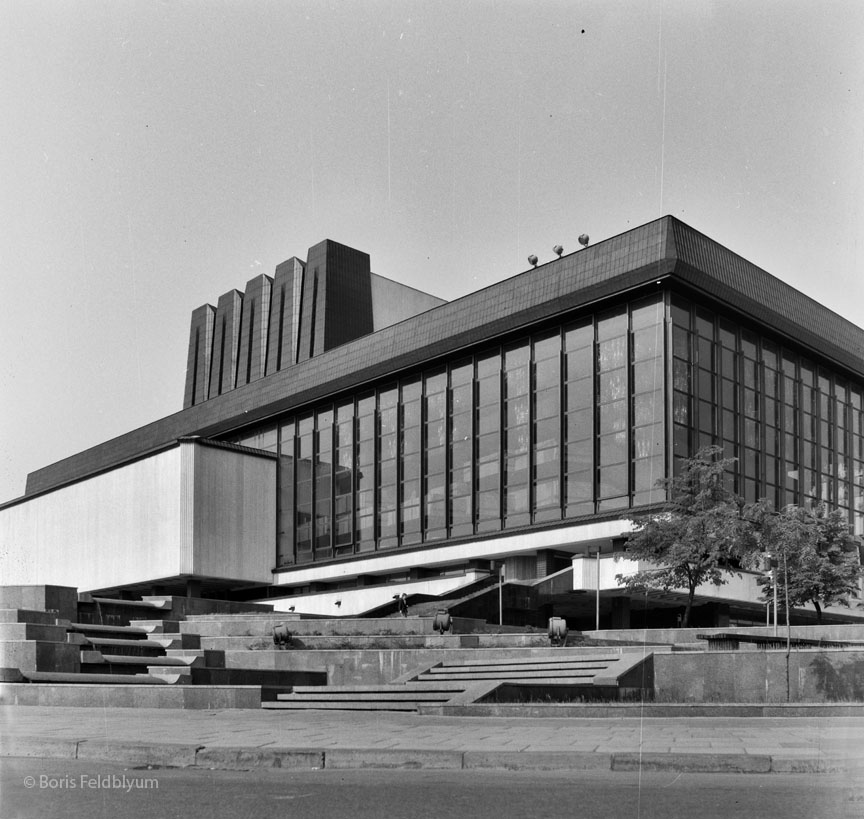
{"type": "Point", "coordinates": [532, 260]}
{"type": "Point", "coordinates": [583, 240]}
{"type": "Point", "coordinates": [558, 249]}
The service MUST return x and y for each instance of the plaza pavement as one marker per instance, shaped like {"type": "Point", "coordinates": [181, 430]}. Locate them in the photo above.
{"type": "Point", "coordinates": [245, 739]}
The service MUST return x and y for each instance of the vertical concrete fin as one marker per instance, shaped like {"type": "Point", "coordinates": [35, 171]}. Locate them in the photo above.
{"type": "Point", "coordinates": [226, 335]}
{"type": "Point", "coordinates": [252, 353]}
{"type": "Point", "coordinates": [199, 357]}
{"type": "Point", "coordinates": [337, 298]}
{"type": "Point", "coordinates": [284, 316]}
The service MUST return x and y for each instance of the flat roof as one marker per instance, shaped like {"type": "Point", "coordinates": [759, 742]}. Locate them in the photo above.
{"type": "Point", "coordinates": [662, 250]}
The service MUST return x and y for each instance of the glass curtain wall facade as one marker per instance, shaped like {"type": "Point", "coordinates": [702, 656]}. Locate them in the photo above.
{"type": "Point", "coordinates": [565, 422]}
{"type": "Point", "coordinates": [796, 428]}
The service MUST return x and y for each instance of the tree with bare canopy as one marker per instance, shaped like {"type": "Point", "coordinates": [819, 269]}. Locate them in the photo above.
{"type": "Point", "coordinates": [698, 537]}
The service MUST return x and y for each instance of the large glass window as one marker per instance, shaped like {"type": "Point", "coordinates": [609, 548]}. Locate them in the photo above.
{"type": "Point", "coordinates": [579, 418]}
{"type": "Point", "coordinates": [683, 416]}
{"type": "Point", "coordinates": [388, 472]}
{"type": "Point", "coordinates": [304, 481]}
{"type": "Point", "coordinates": [546, 420]}
{"type": "Point", "coordinates": [517, 434]}
{"type": "Point", "coordinates": [856, 423]}
{"type": "Point", "coordinates": [435, 467]}
{"type": "Point", "coordinates": [364, 498]}
{"type": "Point", "coordinates": [343, 480]}
{"type": "Point", "coordinates": [488, 442]}
{"type": "Point", "coordinates": [411, 468]}
{"type": "Point", "coordinates": [461, 480]}
{"type": "Point", "coordinates": [612, 410]}
{"type": "Point", "coordinates": [565, 422]}
{"type": "Point", "coordinates": [649, 406]}
{"type": "Point", "coordinates": [323, 488]}
{"type": "Point", "coordinates": [285, 499]}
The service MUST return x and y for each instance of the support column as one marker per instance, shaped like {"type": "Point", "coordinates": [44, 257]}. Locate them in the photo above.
{"type": "Point", "coordinates": [719, 613]}
{"type": "Point", "coordinates": [620, 612]}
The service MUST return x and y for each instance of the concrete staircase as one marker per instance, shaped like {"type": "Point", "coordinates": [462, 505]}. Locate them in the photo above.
{"type": "Point", "coordinates": [512, 679]}
{"type": "Point", "coordinates": [169, 652]}
{"type": "Point", "coordinates": [387, 697]}
{"type": "Point", "coordinates": [45, 659]}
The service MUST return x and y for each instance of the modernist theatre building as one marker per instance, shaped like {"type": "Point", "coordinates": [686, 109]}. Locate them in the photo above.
{"type": "Point", "coordinates": [345, 438]}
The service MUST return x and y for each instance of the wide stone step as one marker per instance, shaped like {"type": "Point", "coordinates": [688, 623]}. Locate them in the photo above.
{"type": "Point", "coordinates": [46, 618]}
{"type": "Point", "coordinates": [370, 696]}
{"type": "Point", "coordinates": [357, 705]}
{"type": "Point", "coordinates": [131, 693]}
{"type": "Point", "coordinates": [157, 626]}
{"type": "Point", "coordinates": [32, 631]}
{"type": "Point", "coordinates": [285, 680]}
{"type": "Point", "coordinates": [132, 604]}
{"type": "Point", "coordinates": [255, 615]}
{"type": "Point", "coordinates": [186, 662]}
{"type": "Point", "coordinates": [92, 679]}
{"type": "Point", "coordinates": [350, 641]}
{"type": "Point", "coordinates": [388, 697]}
{"type": "Point", "coordinates": [172, 675]}
{"type": "Point", "coordinates": [129, 648]}
{"type": "Point", "coordinates": [130, 632]}
{"type": "Point", "coordinates": [448, 674]}
{"type": "Point", "coordinates": [234, 626]}
{"type": "Point", "coordinates": [534, 660]}
{"type": "Point", "coordinates": [419, 686]}
{"type": "Point", "coordinates": [549, 668]}
{"type": "Point", "coordinates": [212, 659]}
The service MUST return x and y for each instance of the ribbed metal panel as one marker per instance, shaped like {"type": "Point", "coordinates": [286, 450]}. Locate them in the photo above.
{"type": "Point", "coordinates": [725, 275]}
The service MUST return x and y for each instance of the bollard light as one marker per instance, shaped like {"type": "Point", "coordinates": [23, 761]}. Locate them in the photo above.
{"type": "Point", "coordinates": [557, 631]}
{"type": "Point", "coordinates": [281, 636]}
{"type": "Point", "coordinates": [442, 622]}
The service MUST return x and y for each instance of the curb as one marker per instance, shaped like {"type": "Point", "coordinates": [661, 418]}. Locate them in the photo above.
{"type": "Point", "coordinates": [251, 758]}
{"type": "Point", "coordinates": [692, 763]}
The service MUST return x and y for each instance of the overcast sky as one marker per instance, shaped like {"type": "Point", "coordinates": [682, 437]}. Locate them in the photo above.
{"type": "Point", "coordinates": [154, 155]}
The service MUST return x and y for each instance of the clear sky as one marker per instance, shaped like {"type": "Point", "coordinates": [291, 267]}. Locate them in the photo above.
{"type": "Point", "coordinates": [154, 155]}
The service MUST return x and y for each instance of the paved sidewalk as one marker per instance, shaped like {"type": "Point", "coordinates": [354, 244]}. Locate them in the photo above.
{"type": "Point", "coordinates": [242, 739]}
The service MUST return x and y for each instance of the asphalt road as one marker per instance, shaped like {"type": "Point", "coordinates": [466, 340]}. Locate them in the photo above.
{"type": "Point", "coordinates": [69, 789]}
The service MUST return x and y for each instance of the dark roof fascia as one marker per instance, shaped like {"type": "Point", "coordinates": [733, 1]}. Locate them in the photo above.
{"type": "Point", "coordinates": [651, 252]}
{"type": "Point", "coordinates": [602, 270]}
{"type": "Point", "coordinates": [396, 364]}
{"type": "Point", "coordinates": [713, 269]}
{"type": "Point", "coordinates": [766, 320]}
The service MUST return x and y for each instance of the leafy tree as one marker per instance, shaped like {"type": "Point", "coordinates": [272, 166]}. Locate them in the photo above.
{"type": "Point", "coordinates": [698, 537]}
{"type": "Point", "coordinates": [817, 556]}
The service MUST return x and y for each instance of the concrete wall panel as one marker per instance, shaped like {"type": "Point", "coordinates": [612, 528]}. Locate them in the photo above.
{"type": "Point", "coordinates": [759, 676]}
{"type": "Point", "coordinates": [393, 302]}
{"type": "Point", "coordinates": [120, 526]}
{"type": "Point", "coordinates": [192, 509]}
{"type": "Point", "coordinates": [234, 515]}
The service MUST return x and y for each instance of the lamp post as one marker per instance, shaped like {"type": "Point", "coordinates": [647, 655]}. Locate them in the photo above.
{"type": "Point", "coordinates": [597, 601]}
{"type": "Point", "coordinates": [774, 574]}
{"type": "Point", "coordinates": [501, 594]}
